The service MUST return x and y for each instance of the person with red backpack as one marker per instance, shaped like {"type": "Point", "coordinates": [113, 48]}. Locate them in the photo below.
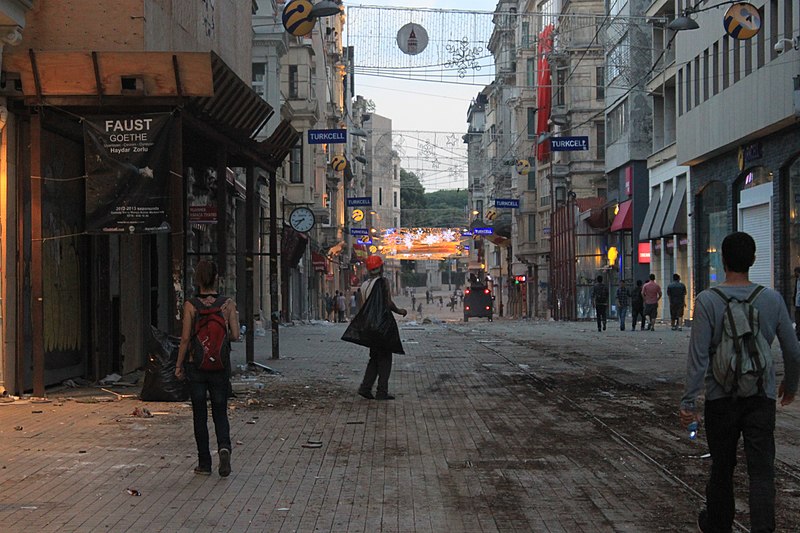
{"type": "Point", "coordinates": [210, 322]}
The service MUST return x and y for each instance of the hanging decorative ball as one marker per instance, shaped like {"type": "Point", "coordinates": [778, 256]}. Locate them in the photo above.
{"type": "Point", "coordinates": [412, 39]}
{"type": "Point", "coordinates": [338, 163]}
{"type": "Point", "coordinates": [742, 21]}
{"type": "Point", "coordinates": [297, 17]}
{"type": "Point", "coordinates": [523, 166]}
{"type": "Point", "coordinates": [491, 213]}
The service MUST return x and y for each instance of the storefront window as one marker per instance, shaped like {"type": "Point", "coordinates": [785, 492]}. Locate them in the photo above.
{"type": "Point", "coordinates": [712, 226]}
{"type": "Point", "coordinates": [793, 221]}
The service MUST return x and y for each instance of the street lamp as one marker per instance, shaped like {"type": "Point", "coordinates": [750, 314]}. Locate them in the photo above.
{"type": "Point", "coordinates": [325, 8]}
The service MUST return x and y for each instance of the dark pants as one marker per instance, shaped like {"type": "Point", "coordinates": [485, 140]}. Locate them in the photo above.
{"type": "Point", "coordinates": [637, 313]}
{"type": "Point", "coordinates": [379, 367]}
{"type": "Point", "coordinates": [216, 385]}
{"type": "Point", "coordinates": [725, 420]}
{"type": "Point", "coordinates": [622, 311]}
{"type": "Point", "coordinates": [600, 311]}
{"type": "Point", "coordinates": [651, 311]}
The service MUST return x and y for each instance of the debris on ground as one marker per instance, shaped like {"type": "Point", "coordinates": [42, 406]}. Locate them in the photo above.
{"type": "Point", "coordinates": [142, 412]}
{"type": "Point", "coordinates": [134, 492]}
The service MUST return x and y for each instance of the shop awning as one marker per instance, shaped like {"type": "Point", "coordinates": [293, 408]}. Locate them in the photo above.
{"type": "Point", "coordinates": [624, 218]}
{"type": "Point", "coordinates": [661, 214]}
{"type": "Point", "coordinates": [644, 233]}
{"type": "Point", "coordinates": [498, 240]}
{"type": "Point", "coordinates": [675, 223]}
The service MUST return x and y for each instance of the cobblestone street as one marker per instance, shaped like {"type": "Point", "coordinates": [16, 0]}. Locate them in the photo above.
{"type": "Point", "coordinates": [502, 426]}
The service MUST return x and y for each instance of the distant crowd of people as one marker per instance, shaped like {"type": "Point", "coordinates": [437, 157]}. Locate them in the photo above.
{"type": "Point", "coordinates": [643, 300]}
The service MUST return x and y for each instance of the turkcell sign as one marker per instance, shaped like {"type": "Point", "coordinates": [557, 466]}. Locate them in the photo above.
{"type": "Point", "coordinates": [506, 203]}
{"type": "Point", "coordinates": [327, 136]}
{"type": "Point", "coordinates": [569, 144]}
{"type": "Point", "coordinates": [360, 232]}
{"type": "Point", "coordinates": [360, 201]}
{"type": "Point", "coordinates": [483, 231]}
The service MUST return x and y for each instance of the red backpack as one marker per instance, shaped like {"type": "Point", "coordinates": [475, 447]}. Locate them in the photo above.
{"type": "Point", "coordinates": [210, 344]}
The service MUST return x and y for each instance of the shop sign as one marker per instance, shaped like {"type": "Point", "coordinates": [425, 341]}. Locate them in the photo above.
{"type": "Point", "coordinates": [327, 136]}
{"type": "Point", "coordinates": [483, 231]}
{"type": "Point", "coordinates": [203, 214]}
{"type": "Point", "coordinates": [644, 253]}
{"type": "Point", "coordinates": [360, 232]}
{"type": "Point", "coordinates": [569, 144]}
{"type": "Point", "coordinates": [749, 153]}
{"type": "Point", "coordinates": [359, 201]}
{"type": "Point", "coordinates": [506, 203]}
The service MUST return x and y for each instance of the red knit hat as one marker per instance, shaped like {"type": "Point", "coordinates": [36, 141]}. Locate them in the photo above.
{"type": "Point", "coordinates": [374, 262]}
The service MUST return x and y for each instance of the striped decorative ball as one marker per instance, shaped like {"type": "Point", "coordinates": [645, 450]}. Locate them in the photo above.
{"type": "Point", "coordinates": [297, 17]}
{"type": "Point", "coordinates": [523, 166]}
{"type": "Point", "coordinates": [491, 214]}
{"type": "Point", "coordinates": [338, 163]}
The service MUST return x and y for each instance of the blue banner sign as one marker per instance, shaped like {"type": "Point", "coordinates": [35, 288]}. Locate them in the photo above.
{"type": "Point", "coordinates": [360, 201]}
{"type": "Point", "coordinates": [569, 144]}
{"type": "Point", "coordinates": [483, 231]}
{"type": "Point", "coordinates": [506, 203]}
{"type": "Point", "coordinates": [327, 136]}
{"type": "Point", "coordinates": [360, 232]}
{"type": "Point", "coordinates": [466, 234]}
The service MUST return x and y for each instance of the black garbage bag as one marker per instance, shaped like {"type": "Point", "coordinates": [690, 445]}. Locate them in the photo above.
{"type": "Point", "coordinates": [160, 383]}
{"type": "Point", "coordinates": [374, 325]}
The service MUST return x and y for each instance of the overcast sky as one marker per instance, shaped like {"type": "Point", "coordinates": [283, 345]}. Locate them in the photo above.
{"type": "Point", "coordinates": [422, 105]}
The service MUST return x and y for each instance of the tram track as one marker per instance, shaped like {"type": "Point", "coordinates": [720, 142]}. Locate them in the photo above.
{"type": "Point", "coordinates": [785, 469]}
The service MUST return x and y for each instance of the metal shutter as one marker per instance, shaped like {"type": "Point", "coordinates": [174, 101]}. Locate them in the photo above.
{"type": "Point", "coordinates": [756, 221]}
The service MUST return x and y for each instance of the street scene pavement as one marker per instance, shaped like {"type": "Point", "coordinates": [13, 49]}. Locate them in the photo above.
{"type": "Point", "coordinates": [502, 426]}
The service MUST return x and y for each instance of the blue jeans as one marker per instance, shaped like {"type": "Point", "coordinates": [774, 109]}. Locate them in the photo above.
{"type": "Point", "coordinates": [725, 420]}
{"type": "Point", "coordinates": [623, 314]}
{"type": "Point", "coordinates": [215, 385]}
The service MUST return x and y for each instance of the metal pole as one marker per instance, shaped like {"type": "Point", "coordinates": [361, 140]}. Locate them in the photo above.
{"type": "Point", "coordinates": [249, 236]}
{"type": "Point", "coordinates": [273, 263]}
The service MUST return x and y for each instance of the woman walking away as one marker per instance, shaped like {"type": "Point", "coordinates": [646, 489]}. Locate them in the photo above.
{"type": "Point", "coordinates": [210, 322]}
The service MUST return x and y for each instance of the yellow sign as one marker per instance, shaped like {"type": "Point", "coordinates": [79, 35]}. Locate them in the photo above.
{"type": "Point", "coordinates": [612, 254]}
{"type": "Point", "coordinates": [373, 249]}
{"type": "Point", "coordinates": [358, 215]}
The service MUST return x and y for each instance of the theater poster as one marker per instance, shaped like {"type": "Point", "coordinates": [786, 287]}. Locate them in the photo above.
{"type": "Point", "coordinates": [127, 169]}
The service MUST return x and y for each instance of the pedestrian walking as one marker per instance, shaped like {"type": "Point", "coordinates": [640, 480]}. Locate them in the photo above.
{"type": "Point", "coordinates": [600, 302]}
{"type": "Point", "coordinates": [730, 414]}
{"type": "Point", "coordinates": [353, 304]}
{"type": "Point", "coordinates": [194, 352]}
{"type": "Point", "coordinates": [327, 302]}
{"type": "Point", "coordinates": [637, 305]}
{"type": "Point", "coordinates": [441, 302]}
{"type": "Point", "coordinates": [380, 357]}
{"type": "Point", "coordinates": [413, 302]}
{"type": "Point", "coordinates": [341, 306]}
{"type": "Point", "coordinates": [676, 294]}
{"type": "Point", "coordinates": [332, 307]}
{"type": "Point", "coordinates": [419, 311]}
{"type": "Point", "coordinates": [651, 293]}
{"type": "Point", "coordinates": [623, 298]}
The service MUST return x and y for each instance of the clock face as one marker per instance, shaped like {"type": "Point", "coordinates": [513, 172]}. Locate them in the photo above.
{"type": "Point", "coordinates": [302, 219]}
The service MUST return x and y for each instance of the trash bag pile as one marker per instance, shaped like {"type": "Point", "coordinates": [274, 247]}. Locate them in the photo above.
{"type": "Point", "coordinates": [160, 383]}
{"type": "Point", "coordinates": [374, 325]}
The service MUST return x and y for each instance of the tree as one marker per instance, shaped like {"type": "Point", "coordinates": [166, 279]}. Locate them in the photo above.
{"type": "Point", "coordinates": [412, 199]}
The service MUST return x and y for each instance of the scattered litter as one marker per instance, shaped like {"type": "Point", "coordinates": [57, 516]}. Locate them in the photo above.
{"type": "Point", "coordinates": [265, 368]}
{"type": "Point", "coordinates": [40, 400]}
{"type": "Point", "coordinates": [134, 492]}
{"type": "Point", "coordinates": [81, 451]}
{"type": "Point", "coordinates": [111, 378]}
{"type": "Point", "coordinates": [239, 443]}
{"type": "Point", "coordinates": [118, 395]}
{"type": "Point", "coordinates": [69, 384]}
{"type": "Point", "coordinates": [705, 456]}
{"type": "Point", "coordinates": [314, 441]}
{"type": "Point", "coordinates": [282, 509]}
{"type": "Point", "coordinates": [312, 445]}
{"type": "Point", "coordinates": [37, 412]}
{"type": "Point", "coordinates": [142, 412]}
{"type": "Point", "coordinates": [355, 422]}
{"type": "Point", "coordinates": [17, 428]}
{"type": "Point", "coordinates": [29, 507]}
{"type": "Point", "coordinates": [250, 422]}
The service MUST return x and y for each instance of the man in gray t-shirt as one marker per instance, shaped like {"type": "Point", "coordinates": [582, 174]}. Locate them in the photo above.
{"type": "Point", "coordinates": [727, 418]}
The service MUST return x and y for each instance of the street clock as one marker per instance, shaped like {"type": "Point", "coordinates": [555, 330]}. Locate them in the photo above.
{"type": "Point", "coordinates": [302, 219]}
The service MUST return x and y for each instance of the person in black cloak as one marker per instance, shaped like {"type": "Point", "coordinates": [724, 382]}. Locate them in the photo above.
{"type": "Point", "coordinates": [380, 335]}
